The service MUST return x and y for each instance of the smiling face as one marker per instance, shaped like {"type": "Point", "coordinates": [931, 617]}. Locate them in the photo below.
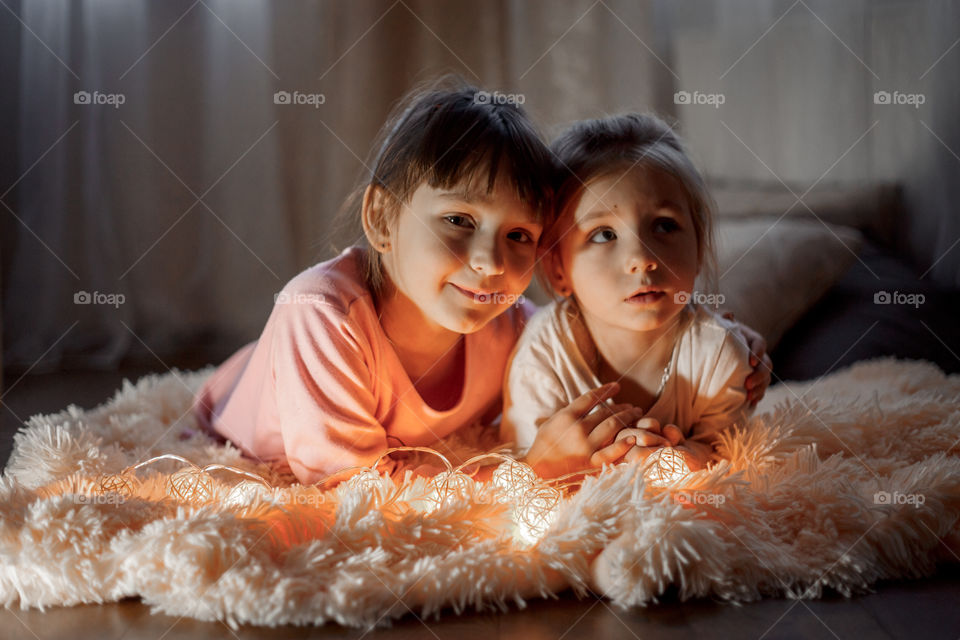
{"type": "Point", "coordinates": [462, 256]}
{"type": "Point", "coordinates": [630, 246]}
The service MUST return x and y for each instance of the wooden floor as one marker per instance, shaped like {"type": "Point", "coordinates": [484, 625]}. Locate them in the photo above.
{"type": "Point", "coordinates": [927, 609]}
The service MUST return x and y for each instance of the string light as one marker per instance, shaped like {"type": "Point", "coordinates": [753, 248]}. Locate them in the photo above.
{"type": "Point", "coordinates": [665, 466]}
{"type": "Point", "coordinates": [190, 485]}
{"type": "Point", "coordinates": [124, 484]}
{"type": "Point", "coordinates": [448, 485]}
{"type": "Point", "coordinates": [245, 493]}
{"type": "Point", "coordinates": [535, 513]}
{"type": "Point", "coordinates": [515, 479]}
{"type": "Point", "coordinates": [535, 502]}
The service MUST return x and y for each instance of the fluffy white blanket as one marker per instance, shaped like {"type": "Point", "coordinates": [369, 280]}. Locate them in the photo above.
{"type": "Point", "coordinates": [833, 485]}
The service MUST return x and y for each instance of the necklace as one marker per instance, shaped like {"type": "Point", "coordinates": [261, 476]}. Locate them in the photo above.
{"type": "Point", "coordinates": [666, 369]}
{"type": "Point", "coordinates": [663, 377]}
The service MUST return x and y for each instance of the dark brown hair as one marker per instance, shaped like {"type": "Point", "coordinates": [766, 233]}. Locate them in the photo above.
{"type": "Point", "coordinates": [450, 133]}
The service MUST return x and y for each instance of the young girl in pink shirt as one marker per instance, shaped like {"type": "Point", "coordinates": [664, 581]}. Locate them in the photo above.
{"type": "Point", "coordinates": [406, 339]}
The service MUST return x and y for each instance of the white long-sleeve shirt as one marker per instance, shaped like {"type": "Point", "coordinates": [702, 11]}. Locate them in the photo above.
{"type": "Point", "coordinates": [550, 367]}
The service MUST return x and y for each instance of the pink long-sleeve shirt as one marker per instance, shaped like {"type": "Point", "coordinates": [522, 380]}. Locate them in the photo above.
{"type": "Point", "coordinates": [322, 388]}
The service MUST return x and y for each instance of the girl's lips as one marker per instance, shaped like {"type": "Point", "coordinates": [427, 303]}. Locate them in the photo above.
{"type": "Point", "coordinates": [479, 295]}
{"type": "Point", "coordinates": [647, 297]}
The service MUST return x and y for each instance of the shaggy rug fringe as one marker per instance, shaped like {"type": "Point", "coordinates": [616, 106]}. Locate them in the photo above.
{"type": "Point", "coordinates": [833, 485]}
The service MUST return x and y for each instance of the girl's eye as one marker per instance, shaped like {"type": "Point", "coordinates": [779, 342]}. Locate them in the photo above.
{"type": "Point", "coordinates": [521, 236]}
{"type": "Point", "coordinates": [602, 236]}
{"type": "Point", "coordinates": [457, 220]}
{"type": "Point", "coordinates": [665, 225]}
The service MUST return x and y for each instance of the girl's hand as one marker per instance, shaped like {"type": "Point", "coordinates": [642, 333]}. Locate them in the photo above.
{"type": "Point", "coordinates": [647, 433]}
{"type": "Point", "coordinates": [571, 440]}
{"type": "Point", "coordinates": [648, 441]}
{"type": "Point", "coordinates": [757, 382]}
{"type": "Point", "coordinates": [673, 433]}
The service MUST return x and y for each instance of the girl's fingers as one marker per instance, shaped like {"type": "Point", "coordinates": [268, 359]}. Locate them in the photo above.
{"type": "Point", "coordinates": [643, 438]}
{"type": "Point", "coordinates": [584, 404]}
{"type": "Point", "coordinates": [589, 422]}
{"type": "Point", "coordinates": [649, 424]}
{"type": "Point", "coordinates": [603, 412]}
{"type": "Point", "coordinates": [604, 431]}
{"type": "Point", "coordinates": [672, 433]}
{"type": "Point", "coordinates": [611, 453]}
{"type": "Point", "coordinates": [647, 439]}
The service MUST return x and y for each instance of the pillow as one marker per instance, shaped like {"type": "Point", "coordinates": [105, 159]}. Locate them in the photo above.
{"type": "Point", "coordinates": [770, 272]}
{"type": "Point", "coordinates": [871, 207]}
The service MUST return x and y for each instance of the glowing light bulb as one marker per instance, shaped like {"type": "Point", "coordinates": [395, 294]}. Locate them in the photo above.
{"type": "Point", "coordinates": [246, 493]}
{"type": "Point", "coordinates": [445, 486]}
{"type": "Point", "coordinates": [515, 479]}
{"type": "Point", "coordinates": [535, 512]}
{"type": "Point", "coordinates": [190, 485]}
{"type": "Point", "coordinates": [123, 484]}
{"type": "Point", "coordinates": [665, 466]}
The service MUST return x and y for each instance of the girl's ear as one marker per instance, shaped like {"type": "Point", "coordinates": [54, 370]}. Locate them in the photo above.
{"type": "Point", "coordinates": [556, 275]}
{"type": "Point", "coordinates": [374, 214]}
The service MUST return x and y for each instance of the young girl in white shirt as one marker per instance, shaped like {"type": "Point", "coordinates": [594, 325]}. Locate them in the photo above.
{"type": "Point", "coordinates": [632, 235]}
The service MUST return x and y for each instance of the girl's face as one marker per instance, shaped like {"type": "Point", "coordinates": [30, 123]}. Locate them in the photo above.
{"type": "Point", "coordinates": [463, 256]}
{"type": "Point", "coordinates": [630, 251]}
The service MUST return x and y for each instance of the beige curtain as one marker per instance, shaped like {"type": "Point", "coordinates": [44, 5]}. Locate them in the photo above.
{"type": "Point", "coordinates": [198, 197]}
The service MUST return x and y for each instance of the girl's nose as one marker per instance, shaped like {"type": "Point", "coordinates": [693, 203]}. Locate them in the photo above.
{"type": "Point", "coordinates": [641, 259]}
{"type": "Point", "coordinates": [485, 258]}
